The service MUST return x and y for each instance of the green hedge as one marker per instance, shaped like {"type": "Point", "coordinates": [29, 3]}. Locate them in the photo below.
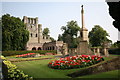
{"type": "Point", "coordinates": [114, 51]}
{"type": "Point", "coordinates": [11, 53]}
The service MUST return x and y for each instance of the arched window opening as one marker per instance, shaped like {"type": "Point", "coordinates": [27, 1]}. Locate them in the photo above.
{"type": "Point", "coordinates": [34, 48]}
{"type": "Point", "coordinates": [34, 21]}
{"type": "Point", "coordinates": [31, 34]}
{"type": "Point", "coordinates": [39, 48]}
{"type": "Point", "coordinates": [36, 35]}
{"type": "Point", "coordinates": [28, 20]}
{"type": "Point", "coordinates": [50, 48]}
{"type": "Point", "coordinates": [53, 48]}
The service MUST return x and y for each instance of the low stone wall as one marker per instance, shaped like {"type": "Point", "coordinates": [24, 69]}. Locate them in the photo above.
{"type": "Point", "coordinates": [105, 66]}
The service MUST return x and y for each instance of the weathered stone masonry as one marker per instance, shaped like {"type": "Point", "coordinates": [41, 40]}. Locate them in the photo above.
{"type": "Point", "coordinates": [36, 39]}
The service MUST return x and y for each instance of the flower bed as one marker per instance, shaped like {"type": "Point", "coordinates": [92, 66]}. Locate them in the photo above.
{"type": "Point", "coordinates": [26, 55]}
{"type": "Point", "coordinates": [12, 53]}
{"type": "Point", "coordinates": [77, 61]}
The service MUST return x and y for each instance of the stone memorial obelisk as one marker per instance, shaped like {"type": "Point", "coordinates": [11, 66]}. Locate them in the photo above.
{"type": "Point", "coordinates": [83, 47]}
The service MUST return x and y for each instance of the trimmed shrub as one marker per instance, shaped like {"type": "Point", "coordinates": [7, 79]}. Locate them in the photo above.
{"type": "Point", "coordinates": [13, 73]}
{"type": "Point", "coordinates": [11, 53]}
{"type": "Point", "coordinates": [114, 51]}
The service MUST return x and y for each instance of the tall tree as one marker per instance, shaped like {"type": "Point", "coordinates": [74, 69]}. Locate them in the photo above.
{"type": "Point", "coordinates": [60, 37]}
{"type": "Point", "coordinates": [46, 31]}
{"type": "Point", "coordinates": [71, 28]}
{"type": "Point", "coordinates": [116, 45]}
{"type": "Point", "coordinates": [70, 33]}
{"type": "Point", "coordinates": [52, 39]}
{"type": "Point", "coordinates": [97, 36]}
{"type": "Point", "coordinates": [14, 34]}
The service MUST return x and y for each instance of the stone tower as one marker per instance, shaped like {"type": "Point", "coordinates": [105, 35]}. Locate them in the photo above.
{"type": "Point", "coordinates": [36, 39]}
{"type": "Point", "coordinates": [83, 47]}
{"type": "Point", "coordinates": [40, 36]}
{"type": "Point", "coordinates": [32, 27]}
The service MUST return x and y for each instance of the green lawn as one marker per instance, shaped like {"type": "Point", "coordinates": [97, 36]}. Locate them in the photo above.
{"type": "Point", "coordinates": [39, 69]}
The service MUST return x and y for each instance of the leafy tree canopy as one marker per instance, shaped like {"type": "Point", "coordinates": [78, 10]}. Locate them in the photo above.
{"type": "Point", "coordinates": [69, 35]}
{"type": "Point", "coordinates": [71, 28]}
{"type": "Point", "coordinates": [46, 31]}
{"type": "Point", "coordinates": [116, 45]}
{"type": "Point", "coordinates": [60, 37]}
{"type": "Point", "coordinates": [14, 34]}
{"type": "Point", "coordinates": [52, 39]}
{"type": "Point", "coordinates": [97, 36]}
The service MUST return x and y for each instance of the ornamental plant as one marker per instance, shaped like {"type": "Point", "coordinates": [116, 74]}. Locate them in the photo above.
{"type": "Point", "coordinates": [26, 55]}
{"type": "Point", "coordinates": [14, 73]}
{"type": "Point", "coordinates": [77, 61]}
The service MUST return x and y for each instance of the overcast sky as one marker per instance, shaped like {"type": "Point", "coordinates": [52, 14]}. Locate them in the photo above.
{"type": "Point", "coordinates": [54, 15]}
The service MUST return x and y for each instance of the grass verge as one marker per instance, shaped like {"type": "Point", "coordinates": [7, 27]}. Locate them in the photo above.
{"type": "Point", "coordinates": [39, 69]}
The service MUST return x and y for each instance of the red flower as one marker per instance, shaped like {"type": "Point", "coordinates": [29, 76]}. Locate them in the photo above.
{"type": "Point", "coordinates": [50, 63]}
{"type": "Point", "coordinates": [71, 61]}
{"type": "Point", "coordinates": [88, 61]}
{"type": "Point", "coordinates": [98, 59]}
{"type": "Point", "coordinates": [92, 58]}
{"type": "Point", "coordinates": [22, 55]}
